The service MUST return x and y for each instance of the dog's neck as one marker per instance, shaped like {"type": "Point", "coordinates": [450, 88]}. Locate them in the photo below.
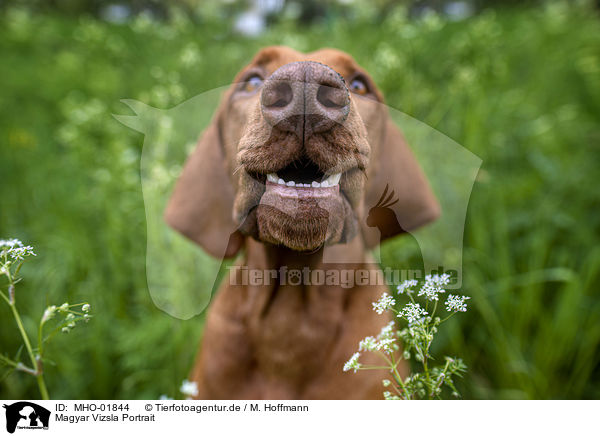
{"type": "Point", "coordinates": [267, 256]}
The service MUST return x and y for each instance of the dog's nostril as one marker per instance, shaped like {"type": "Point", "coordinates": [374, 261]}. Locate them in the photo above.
{"type": "Point", "coordinates": [279, 94]}
{"type": "Point", "coordinates": [331, 97]}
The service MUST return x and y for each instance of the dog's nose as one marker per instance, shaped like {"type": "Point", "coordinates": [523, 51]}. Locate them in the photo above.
{"type": "Point", "coordinates": [305, 98]}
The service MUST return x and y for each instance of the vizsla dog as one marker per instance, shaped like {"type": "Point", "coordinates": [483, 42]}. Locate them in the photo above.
{"type": "Point", "coordinates": [299, 149]}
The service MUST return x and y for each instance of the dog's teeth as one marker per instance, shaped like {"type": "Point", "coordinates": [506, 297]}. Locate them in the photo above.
{"type": "Point", "coordinates": [330, 181]}
{"type": "Point", "coordinates": [333, 179]}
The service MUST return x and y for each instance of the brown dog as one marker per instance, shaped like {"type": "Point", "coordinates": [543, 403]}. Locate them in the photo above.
{"type": "Point", "coordinates": [300, 147]}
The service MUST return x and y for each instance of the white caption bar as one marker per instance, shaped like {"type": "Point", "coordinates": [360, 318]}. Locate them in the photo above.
{"type": "Point", "coordinates": [299, 417]}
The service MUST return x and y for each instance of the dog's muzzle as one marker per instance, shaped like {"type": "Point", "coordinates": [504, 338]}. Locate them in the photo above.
{"type": "Point", "coordinates": [305, 98]}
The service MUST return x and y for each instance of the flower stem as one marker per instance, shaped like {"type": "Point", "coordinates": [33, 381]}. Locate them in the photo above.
{"type": "Point", "coordinates": [41, 382]}
{"type": "Point", "coordinates": [23, 333]}
{"type": "Point", "coordinates": [8, 361]}
{"type": "Point", "coordinates": [37, 363]}
{"type": "Point", "coordinates": [395, 374]}
{"type": "Point", "coordinates": [442, 376]}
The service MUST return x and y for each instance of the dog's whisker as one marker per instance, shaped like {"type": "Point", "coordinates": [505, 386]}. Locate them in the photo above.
{"type": "Point", "coordinates": [238, 168]}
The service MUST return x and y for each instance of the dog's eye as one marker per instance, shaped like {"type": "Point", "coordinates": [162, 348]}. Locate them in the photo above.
{"type": "Point", "coordinates": [253, 83]}
{"type": "Point", "coordinates": [358, 86]}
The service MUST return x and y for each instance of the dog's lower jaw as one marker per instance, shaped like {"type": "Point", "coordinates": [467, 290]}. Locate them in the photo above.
{"type": "Point", "coordinates": [302, 219]}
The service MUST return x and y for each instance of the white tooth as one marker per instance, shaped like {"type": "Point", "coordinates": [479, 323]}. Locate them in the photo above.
{"type": "Point", "coordinates": [316, 185]}
{"type": "Point", "coordinates": [306, 185]}
{"type": "Point", "coordinates": [334, 179]}
{"type": "Point", "coordinates": [291, 183]}
{"type": "Point", "coordinates": [272, 177]}
{"type": "Point", "coordinates": [281, 181]}
{"type": "Point", "coordinates": [324, 184]}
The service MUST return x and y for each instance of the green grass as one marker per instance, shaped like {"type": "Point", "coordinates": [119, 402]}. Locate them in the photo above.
{"type": "Point", "coordinates": [519, 88]}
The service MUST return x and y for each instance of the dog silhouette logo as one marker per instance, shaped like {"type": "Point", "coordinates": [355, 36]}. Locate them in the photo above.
{"type": "Point", "coordinates": [26, 415]}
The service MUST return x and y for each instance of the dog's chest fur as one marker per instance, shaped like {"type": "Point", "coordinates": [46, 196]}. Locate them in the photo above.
{"type": "Point", "coordinates": [277, 341]}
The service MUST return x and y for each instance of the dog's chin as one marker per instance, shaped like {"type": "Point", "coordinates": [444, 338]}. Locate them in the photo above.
{"type": "Point", "coordinates": [302, 218]}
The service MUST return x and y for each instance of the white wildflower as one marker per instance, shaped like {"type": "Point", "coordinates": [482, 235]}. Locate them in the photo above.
{"type": "Point", "coordinates": [412, 312]}
{"type": "Point", "coordinates": [387, 332]}
{"type": "Point", "coordinates": [85, 307]}
{"type": "Point", "coordinates": [441, 279]}
{"type": "Point", "coordinates": [352, 363]}
{"type": "Point", "coordinates": [434, 285]}
{"type": "Point", "coordinates": [385, 341]}
{"type": "Point", "coordinates": [389, 396]}
{"type": "Point", "coordinates": [15, 249]}
{"type": "Point", "coordinates": [10, 243]}
{"type": "Point", "coordinates": [63, 307]}
{"type": "Point", "coordinates": [430, 291]}
{"type": "Point", "coordinates": [386, 345]}
{"type": "Point", "coordinates": [189, 388]}
{"type": "Point", "coordinates": [368, 344]}
{"type": "Point", "coordinates": [456, 303]}
{"type": "Point", "coordinates": [20, 253]}
{"type": "Point", "coordinates": [48, 313]}
{"type": "Point", "coordinates": [406, 287]}
{"type": "Point", "coordinates": [384, 303]}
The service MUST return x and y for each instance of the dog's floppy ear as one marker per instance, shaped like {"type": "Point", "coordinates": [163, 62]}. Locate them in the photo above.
{"type": "Point", "coordinates": [394, 174]}
{"type": "Point", "coordinates": [201, 204]}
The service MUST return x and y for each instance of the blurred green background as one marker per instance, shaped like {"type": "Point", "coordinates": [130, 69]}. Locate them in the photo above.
{"type": "Point", "coordinates": [516, 83]}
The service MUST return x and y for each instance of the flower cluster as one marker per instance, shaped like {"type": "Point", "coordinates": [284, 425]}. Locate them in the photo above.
{"type": "Point", "coordinates": [389, 396]}
{"type": "Point", "coordinates": [71, 316]}
{"type": "Point", "coordinates": [433, 286]}
{"type": "Point", "coordinates": [415, 340]}
{"type": "Point", "coordinates": [406, 287]}
{"type": "Point", "coordinates": [15, 250]}
{"type": "Point", "coordinates": [385, 341]}
{"type": "Point", "coordinates": [412, 312]}
{"type": "Point", "coordinates": [189, 388]}
{"type": "Point", "coordinates": [48, 314]}
{"type": "Point", "coordinates": [384, 303]}
{"type": "Point", "coordinates": [456, 303]}
{"type": "Point", "coordinates": [352, 363]}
